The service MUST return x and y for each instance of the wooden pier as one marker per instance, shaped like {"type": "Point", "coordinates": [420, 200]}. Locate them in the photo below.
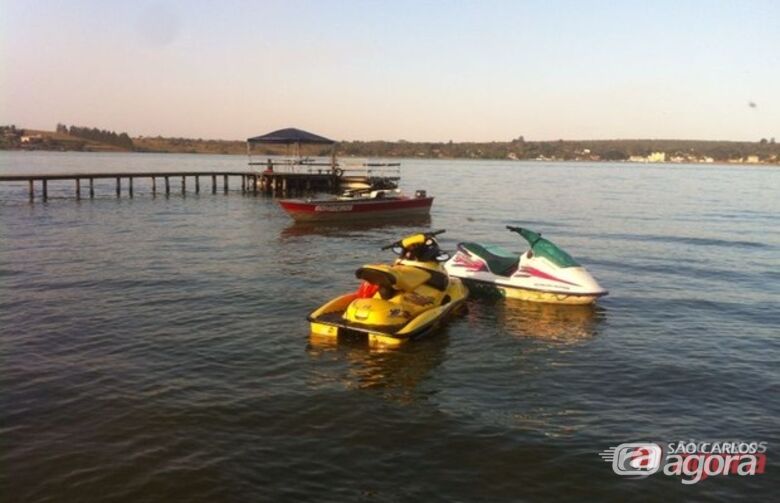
{"type": "Point", "coordinates": [252, 182]}
{"type": "Point", "coordinates": [290, 175]}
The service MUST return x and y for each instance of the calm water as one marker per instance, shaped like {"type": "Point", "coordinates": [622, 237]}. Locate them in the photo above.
{"type": "Point", "coordinates": [157, 348]}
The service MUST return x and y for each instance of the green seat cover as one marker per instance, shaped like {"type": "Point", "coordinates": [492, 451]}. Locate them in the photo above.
{"type": "Point", "coordinates": [499, 261]}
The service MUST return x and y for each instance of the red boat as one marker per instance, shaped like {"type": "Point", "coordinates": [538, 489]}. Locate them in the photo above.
{"type": "Point", "coordinates": [362, 205]}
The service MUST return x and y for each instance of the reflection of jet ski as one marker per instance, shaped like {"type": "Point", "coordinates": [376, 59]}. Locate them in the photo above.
{"type": "Point", "coordinates": [395, 374]}
{"type": "Point", "coordinates": [396, 302]}
{"type": "Point", "coordinates": [545, 273]}
{"type": "Point", "coordinates": [553, 323]}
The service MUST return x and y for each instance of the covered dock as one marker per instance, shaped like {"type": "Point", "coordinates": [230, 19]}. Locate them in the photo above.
{"type": "Point", "coordinates": [316, 170]}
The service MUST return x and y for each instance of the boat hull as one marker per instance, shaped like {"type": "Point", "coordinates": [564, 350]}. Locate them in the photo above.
{"type": "Point", "coordinates": [341, 210]}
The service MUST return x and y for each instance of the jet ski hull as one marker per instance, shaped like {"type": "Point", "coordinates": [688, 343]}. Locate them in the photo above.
{"type": "Point", "coordinates": [509, 291]}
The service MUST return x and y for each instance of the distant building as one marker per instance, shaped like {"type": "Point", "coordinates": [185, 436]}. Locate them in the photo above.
{"type": "Point", "coordinates": [511, 156]}
{"type": "Point", "coordinates": [752, 159]}
{"type": "Point", "coordinates": [637, 158]}
{"type": "Point", "coordinates": [657, 157]}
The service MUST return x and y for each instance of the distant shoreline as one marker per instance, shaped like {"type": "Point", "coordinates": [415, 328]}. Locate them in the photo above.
{"type": "Point", "coordinates": [638, 151]}
{"type": "Point", "coordinates": [567, 161]}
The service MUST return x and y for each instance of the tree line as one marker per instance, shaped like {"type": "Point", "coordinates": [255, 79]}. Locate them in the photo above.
{"type": "Point", "coordinates": [100, 135]}
{"type": "Point", "coordinates": [611, 150]}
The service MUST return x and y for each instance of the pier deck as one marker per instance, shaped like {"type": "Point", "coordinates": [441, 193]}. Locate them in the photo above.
{"type": "Point", "coordinates": [252, 182]}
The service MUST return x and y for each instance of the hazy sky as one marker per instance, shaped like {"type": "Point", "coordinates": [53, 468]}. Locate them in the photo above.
{"type": "Point", "coordinates": [417, 70]}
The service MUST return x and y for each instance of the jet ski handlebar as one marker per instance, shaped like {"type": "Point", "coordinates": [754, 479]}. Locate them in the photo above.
{"type": "Point", "coordinates": [529, 235]}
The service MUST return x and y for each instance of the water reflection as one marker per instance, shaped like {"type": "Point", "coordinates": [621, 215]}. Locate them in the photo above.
{"type": "Point", "coordinates": [346, 228]}
{"type": "Point", "coordinates": [548, 322]}
{"type": "Point", "coordinates": [397, 373]}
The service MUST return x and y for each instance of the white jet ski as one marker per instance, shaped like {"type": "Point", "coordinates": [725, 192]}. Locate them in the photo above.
{"type": "Point", "coordinates": [544, 273]}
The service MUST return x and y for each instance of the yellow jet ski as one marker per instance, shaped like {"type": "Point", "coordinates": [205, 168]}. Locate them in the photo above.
{"type": "Point", "coordinates": [398, 302]}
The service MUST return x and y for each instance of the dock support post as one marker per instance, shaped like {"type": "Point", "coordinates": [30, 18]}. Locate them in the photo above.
{"type": "Point", "coordinates": [284, 185]}
{"type": "Point", "coordinates": [118, 186]}
{"type": "Point", "coordinates": [91, 188]}
{"type": "Point", "coordinates": [130, 186]}
{"type": "Point", "coordinates": [154, 186]}
{"type": "Point", "coordinates": [45, 189]}
{"type": "Point", "coordinates": [197, 184]}
{"type": "Point", "coordinates": [183, 184]}
{"type": "Point", "coordinates": [225, 180]}
{"type": "Point", "coordinates": [254, 185]}
{"type": "Point", "coordinates": [78, 188]}
{"type": "Point", "coordinates": [243, 183]}
{"type": "Point", "coordinates": [167, 186]}
{"type": "Point", "coordinates": [213, 184]}
{"type": "Point", "coordinates": [32, 189]}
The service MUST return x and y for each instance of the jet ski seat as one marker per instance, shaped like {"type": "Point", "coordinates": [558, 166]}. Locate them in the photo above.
{"type": "Point", "coordinates": [499, 261]}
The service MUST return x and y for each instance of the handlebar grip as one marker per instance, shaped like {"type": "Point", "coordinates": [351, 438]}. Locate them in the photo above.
{"type": "Point", "coordinates": [387, 247]}
{"type": "Point", "coordinates": [436, 233]}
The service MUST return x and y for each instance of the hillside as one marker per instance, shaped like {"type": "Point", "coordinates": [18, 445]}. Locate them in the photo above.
{"type": "Point", "coordinates": [12, 138]}
{"type": "Point", "coordinates": [764, 151]}
{"type": "Point", "coordinates": [188, 145]}
{"type": "Point", "coordinates": [636, 150]}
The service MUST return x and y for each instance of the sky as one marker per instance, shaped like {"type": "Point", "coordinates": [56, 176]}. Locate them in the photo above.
{"type": "Point", "coordinates": [414, 70]}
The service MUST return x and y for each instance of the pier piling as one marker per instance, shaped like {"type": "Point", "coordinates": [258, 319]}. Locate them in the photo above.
{"type": "Point", "coordinates": [167, 186]}
{"type": "Point", "coordinates": [45, 189]}
{"type": "Point", "coordinates": [183, 185]}
{"type": "Point", "coordinates": [91, 188]}
{"type": "Point", "coordinates": [225, 179]}
{"type": "Point", "coordinates": [130, 186]}
{"type": "Point", "coordinates": [78, 188]}
{"type": "Point", "coordinates": [118, 186]}
{"type": "Point", "coordinates": [197, 184]}
{"type": "Point", "coordinates": [154, 186]}
{"type": "Point", "coordinates": [213, 184]}
{"type": "Point", "coordinates": [32, 189]}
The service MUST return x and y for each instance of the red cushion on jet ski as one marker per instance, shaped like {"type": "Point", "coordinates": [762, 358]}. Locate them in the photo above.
{"type": "Point", "coordinates": [366, 290]}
